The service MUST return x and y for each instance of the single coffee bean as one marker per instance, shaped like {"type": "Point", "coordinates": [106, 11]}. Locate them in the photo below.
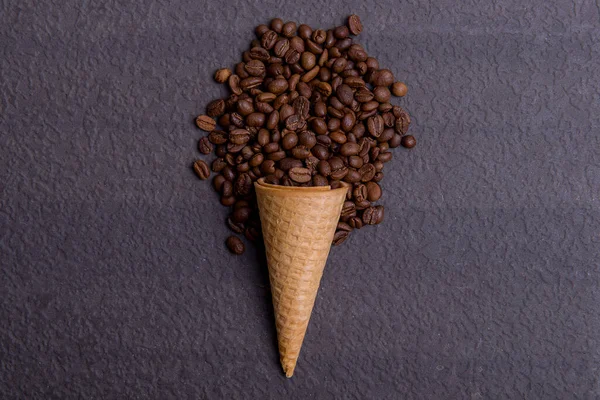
{"type": "Point", "coordinates": [256, 160]}
{"type": "Point", "coordinates": [319, 180]}
{"type": "Point", "coordinates": [409, 141]}
{"type": "Point", "coordinates": [289, 29]}
{"type": "Point", "coordinates": [250, 82]}
{"type": "Point", "coordinates": [222, 75]}
{"type": "Point", "coordinates": [354, 25]}
{"type": "Point", "coordinates": [215, 108]}
{"type": "Point", "coordinates": [340, 237]}
{"type": "Point", "coordinates": [382, 94]}
{"type": "Point", "coordinates": [218, 182]}
{"type": "Point", "coordinates": [378, 176]}
{"type": "Point", "coordinates": [402, 120]}
{"type": "Point", "coordinates": [308, 60]}
{"type": "Point", "coordinates": [379, 214]}
{"type": "Point", "coordinates": [370, 105]}
{"type": "Point", "coordinates": [375, 125]}
{"type": "Point", "coordinates": [241, 214]}
{"type": "Point", "coordinates": [268, 39]}
{"type": "Point", "coordinates": [281, 47]}
{"type": "Point", "coordinates": [304, 31]}
{"type": "Point", "coordinates": [334, 124]}
{"type": "Point", "coordinates": [228, 173]}
{"type": "Point", "coordinates": [289, 141]}
{"type": "Point", "coordinates": [352, 176]}
{"type": "Point", "coordinates": [345, 94]}
{"type": "Point", "coordinates": [234, 84]}
{"type": "Point", "coordinates": [277, 24]}
{"type": "Point", "coordinates": [255, 68]}
{"type": "Point", "coordinates": [385, 107]}
{"type": "Point", "coordinates": [264, 108]}
{"type": "Point", "coordinates": [300, 175]}
{"type": "Point", "coordinates": [218, 164]}
{"type": "Point", "coordinates": [295, 122]}
{"type": "Point", "coordinates": [227, 201]}
{"type": "Point", "coordinates": [360, 192]}
{"type": "Point", "coordinates": [383, 77]}
{"type": "Point", "coordinates": [237, 227]}
{"type": "Point", "coordinates": [288, 163]}
{"type": "Point", "coordinates": [243, 185]}
{"type": "Point", "coordinates": [339, 65]}
{"type": "Point", "coordinates": [276, 156]}
{"type": "Point", "coordinates": [399, 89]}
{"type": "Point", "coordinates": [342, 226]}
{"type": "Point", "coordinates": [341, 32]}
{"type": "Point", "coordinates": [348, 209]}
{"type": "Point", "coordinates": [338, 137]}
{"type": "Point", "coordinates": [388, 119]}
{"type": "Point", "coordinates": [256, 119]}
{"type": "Point", "coordinates": [355, 222]}
{"type": "Point", "coordinates": [205, 146]}
{"type": "Point", "coordinates": [227, 189]}
{"type": "Point", "coordinates": [240, 70]}
{"type": "Point", "coordinates": [201, 169]}
{"type": "Point", "coordinates": [259, 53]}
{"type": "Point", "coordinates": [323, 168]}
{"type": "Point", "coordinates": [384, 156]}
{"type": "Point", "coordinates": [235, 245]}
{"type": "Point", "coordinates": [395, 141]}
{"type": "Point", "coordinates": [300, 152]}
{"type": "Point", "coordinates": [285, 112]}
{"type": "Point", "coordinates": [370, 216]}
{"type": "Point", "coordinates": [343, 44]}
{"type": "Point", "coordinates": [205, 123]}
{"type": "Point", "coordinates": [252, 233]}
{"type": "Point", "coordinates": [349, 149]}
{"type": "Point", "coordinates": [367, 172]}
{"type": "Point", "coordinates": [355, 161]}
{"type": "Point", "coordinates": [373, 191]}
{"type": "Point", "coordinates": [239, 136]}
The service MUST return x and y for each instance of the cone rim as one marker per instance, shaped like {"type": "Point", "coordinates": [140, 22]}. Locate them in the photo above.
{"type": "Point", "coordinates": [297, 190]}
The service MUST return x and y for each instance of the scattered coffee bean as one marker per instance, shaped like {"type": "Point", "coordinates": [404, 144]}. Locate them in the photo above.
{"type": "Point", "coordinates": [354, 25]}
{"type": "Point", "coordinates": [409, 141]}
{"type": "Point", "coordinates": [205, 123]}
{"type": "Point", "coordinates": [201, 169]}
{"type": "Point", "coordinates": [222, 75]}
{"type": "Point", "coordinates": [399, 89]}
{"type": "Point", "coordinates": [235, 245]}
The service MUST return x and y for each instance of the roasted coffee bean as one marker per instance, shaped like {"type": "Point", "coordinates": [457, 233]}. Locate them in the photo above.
{"type": "Point", "coordinates": [348, 209]}
{"type": "Point", "coordinates": [218, 182]}
{"type": "Point", "coordinates": [285, 112]}
{"type": "Point", "coordinates": [301, 106]}
{"type": "Point", "coordinates": [222, 75]}
{"type": "Point", "coordinates": [240, 70]}
{"type": "Point", "coordinates": [360, 192]}
{"type": "Point", "coordinates": [373, 191]}
{"type": "Point", "coordinates": [395, 141]}
{"type": "Point", "coordinates": [334, 124]}
{"type": "Point", "coordinates": [345, 94]}
{"type": "Point", "coordinates": [256, 119]}
{"type": "Point", "coordinates": [268, 39]}
{"type": "Point", "coordinates": [385, 156]}
{"type": "Point", "coordinates": [323, 168]}
{"type": "Point", "coordinates": [324, 88]}
{"type": "Point", "coordinates": [378, 176]}
{"type": "Point", "coordinates": [352, 176]}
{"type": "Point", "coordinates": [385, 107]}
{"type": "Point", "coordinates": [402, 120]}
{"type": "Point", "coordinates": [292, 56]}
{"type": "Point", "coordinates": [342, 226]}
{"type": "Point", "coordinates": [218, 164]}
{"type": "Point", "coordinates": [245, 107]}
{"type": "Point", "coordinates": [300, 152]}
{"type": "Point", "coordinates": [256, 160]}
{"type": "Point", "coordinates": [289, 141]}
{"type": "Point", "coordinates": [227, 201]}
{"type": "Point", "coordinates": [281, 47]}
{"type": "Point", "coordinates": [215, 108]}
{"type": "Point", "coordinates": [338, 137]}
{"type": "Point", "coordinates": [295, 122]}
{"type": "Point", "coordinates": [276, 156]}
{"type": "Point", "coordinates": [234, 84]}
{"type": "Point", "coordinates": [354, 25]}
{"type": "Point", "coordinates": [340, 237]}
{"type": "Point", "coordinates": [237, 227]}
{"type": "Point", "coordinates": [227, 188]}
{"type": "Point", "coordinates": [409, 141]}
{"type": "Point", "coordinates": [383, 77]}
{"type": "Point", "coordinates": [241, 215]}
{"type": "Point", "coordinates": [319, 180]}
{"type": "Point", "coordinates": [235, 245]}
{"type": "Point", "coordinates": [369, 216]}
{"type": "Point", "coordinates": [250, 82]}
{"type": "Point", "coordinates": [255, 68]}
{"type": "Point", "coordinates": [264, 108]}
{"type": "Point", "coordinates": [243, 185]}
{"type": "Point", "coordinates": [382, 94]}
{"type": "Point", "coordinates": [308, 60]}
{"type": "Point", "coordinates": [268, 167]}
{"type": "Point", "coordinates": [201, 169]}
{"type": "Point", "coordinates": [355, 222]}
{"type": "Point", "coordinates": [205, 123]}
{"type": "Point", "coordinates": [388, 119]}
{"type": "Point", "coordinates": [349, 149]}
{"type": "Point", "coordinates": [259, 53]}
{"type": "Point", "coordinates": [338, 169]}
{"type": "Point", "coordinates": [399, 89]}
{"type": "Point", "coordinates": [367, 172]}
{"type": "Point", "coordinates": [310, 75]}
{"type": "Point", "coordinates": [300, 175]}
{"type": "Point", "coordinates": [375, 125]}
{"type": "Point", "coordinates": [205, 146]}
{"type": "Point", "coordinates": [355, 161]}
{"type": "Point", "coordinates": [339, 65]}
{"type": "Point", "coordinates": [228, 173]}
{"type": "Point", "coordinates": [239, 136]}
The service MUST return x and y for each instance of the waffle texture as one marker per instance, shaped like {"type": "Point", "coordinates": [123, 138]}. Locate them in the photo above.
{"type": "Point", "coordinates": [298, 225]}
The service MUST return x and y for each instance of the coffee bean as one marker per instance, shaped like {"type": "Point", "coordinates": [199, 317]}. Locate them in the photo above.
{"type": "Point", "coordinates": [218, 183]}
{"type": "Point", "coordinates": [338, 137]}
{"type": "Point", "coordinates": [227, 201]}
{"type": "Point", "coordinates": [237, 227]}
{"type": "Point", "coordinates": [399, 89]}
{"type": "Point", "coordinates": [395, 141]}
{"type": "Point", "coordinates": [402, 120]}
{"type": "Point", "coordinates": [304, 31]}
{"type": "Point", "coordinates": [276, 156]}
{"type": "Point", "coordinates": [288, 163]}
{"type": "Point", "coordinates": [373, 191]}
{"type": "Point", "coordinates": [354, 25]}
{"type": "Point", "coordinates": [341, 32]}
{"type": "Point", "coordinates": [355, 161]}
{"type": "Point", "coordinates": [255, 68]}
{"type": "Point", "coordinates": [300, 152]}
{"type": "Point", "coordinates": [243, 185]}
{"type": "Point", "coordinates": [370, 216]}
{"type": "Point", "coordinates": [205, 146]}
{"type": "Point", "coordinates": [300, 175]}
{"type": "Point", "coordinates": [289, 141]}
{"type": "Point", "coordinates": [241, 215]}
{"type": "Point", "coordinates": [228, 173]}
{"type": "Point", "coordinates": [385, 107]}
{"type": "Point", "coordinates": [352, 176]}
{"type": "Point", "coordinates": [409, 141]}
{"type": "Point", "coordinates": [215, 108]}
{"type": "Point", "coordinates": [340, 237]}
{"type": "Point", "coordinates": [201, 169]}
{"type": "Point", "coordinates": [375, 125]}
{"type": "Point", "coordinates": [319, 180]}
{"type": "Point", "coordinates": [235, 245]}
{"type": "Point", "coordinates": [205, 123]}
{"type": "Point", "coordinates": [345, 94]}
{"type": "Point", "coordinates": [268, 39]}
{"type": "Point", "coordinates": [222, 75]}
{"type": "Point", "coordinates": [383, 77]}
{"type": "Point", "coordinates": [384, 156]}
{"type": "Point", "coordinates": [234, 84]}
{"type": "Point", "coordinates": [349, 149]}
{"type": "Point", "coordinates": [355, 222]}
{"type": "Point", "coordinates": [348, 209]}
{"type": "Point", "coordinates": [367, 172]}
{"type": "Point", "coordinates": [382, 94]}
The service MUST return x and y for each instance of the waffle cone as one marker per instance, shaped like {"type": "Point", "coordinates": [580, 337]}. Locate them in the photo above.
{"type": "Point", "coordinates": [298, 225]}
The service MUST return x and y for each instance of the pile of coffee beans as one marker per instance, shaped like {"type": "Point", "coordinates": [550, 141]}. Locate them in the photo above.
{"type": "Point", "coordinates": [307, 108]}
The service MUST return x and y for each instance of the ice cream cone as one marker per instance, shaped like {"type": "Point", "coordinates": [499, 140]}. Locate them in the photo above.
{"type": "Point", "coordinates": [298, 225]}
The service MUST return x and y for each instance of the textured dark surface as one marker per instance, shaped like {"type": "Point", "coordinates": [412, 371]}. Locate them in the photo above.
{"type": "Point", "coordinates": [483, 281]}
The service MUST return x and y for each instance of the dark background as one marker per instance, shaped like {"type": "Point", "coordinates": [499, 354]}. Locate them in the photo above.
{"type": "Point", "coordinates": [482, 282]}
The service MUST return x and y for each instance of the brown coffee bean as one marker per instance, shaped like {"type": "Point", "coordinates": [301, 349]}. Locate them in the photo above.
{"type": "Point", "coordinates": [237, 227]}
{"type": "Point", "coordinates": [272, 120]}
{"type": "Point", "coordinates": [334, 124]}
{"type": "Point", "coordinates": [268, 167]}
{"type": "Point", "coordinates": [399, 89]}
{"type": "Point", "coordinates": [382, 94]}
{"type": "Point", "coordinates": [235, 245]}
{"type": "Point", "coordinates": [222, 75]}
{"type": "Point", "coordinates": [338, 137]}
{"type": "Point", "coordinates": [288, 163]}
{"type": "Point", "coordinates": [395, 141]}
{"type": "Point", "coordinates": [354, 25]}
{"type": "Point", "coordinates": [250, 82]}
{"type": "Point", "coordinates": [355, 222]}
{"type": "Point", "coordinates": [310, 75]}
{"type": "Point", "coordinates": [345, 94]}
{"type": "Point", "coordinates": [308, 60]}
{"type": "Point", "coordinates": [259, 53]}
{"type": "Point", "coordinates": [242, 185]}
{"type": "Point", "coordinates": [255, 119]}
{"type": "Point", "coordinates": [349, 149]}
{"type": "Point", "coordinates": [205, 146]}
{"type": "Point", "coordinates": [385, 107]}
{"type": "Point", "coordinates": [241, 215]}
{"type": "Point", "coordinates": [295, 122]}
{"type": "Point", "coordinates": [402, 120]}
{"type": "Point", "coordinates": [218, 182]}
{"type": "Point", "coordinates": [383, 77]}
{"type": "Point", "coordinates": [369, 106]}
{"type": "Point", "coordinates": [234, 84]}
{"type": "Point", "coordinates": [348, 209]}
{"type": "Point", "coordinates": [205, 123]}
{"type": "Point", "coordinates": [268, 39]}
{"type": "Point", "coordinates": [378, 177]}
{"type": "Point", "coordinates": [373, 191]}
{"type": "Point", "coordinates": [375, 125]}
{"type": "Point", "coordinates": [227, 201]}
{"type": "Point", "coordinates": [384, 156]}
{"type": "Point", "coordinates": [319, 180]}
{"type": "Point", "coordinates": [340, 237]}
{"type": "Point", "coordinates": [324, 88]}
{"type": "Point", "coordinates": [300, 152]}
{"type": "Point", "coordinates": [352, 176]}
{"type": "Point", "coordinates": [218, 164]}
{"type": "Point", "coordinates": [319, 126]}
{"type": "Point", "coordinates": [285, 112]}
{"type": "Point", "coordinates": [367, 172]}
{"type": "Point", "coordinates": [255, 68]}
{"type": "Point", "coordinates": [201, 169]}
{"type": "Point", "coordinates": [409, 141]}
{"type": "Point", "coordinates": [355, 161]}
{"type": "Point", "coordinates": [369, 216]}
{"type": "Point", "coordinates": [215, 108]}
{"type": "Point", "coordinates": [339, 65]}
{"type": "Point", "coordinates": [289, 141]}
{"type": "Point", "coordinates": [300, 175]}
{"type": "Point", "coordinates": [276, 156]}
{"type": "Point", "coordinates": [301, 106]}
{"type": "Point", "coordinates": [239, 136]}
{"type": "Point", "coordinates": [240, 70]}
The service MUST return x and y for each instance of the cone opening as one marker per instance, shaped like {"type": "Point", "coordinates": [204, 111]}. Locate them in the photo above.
{"type": "Point", "coordinates": [317, 190]}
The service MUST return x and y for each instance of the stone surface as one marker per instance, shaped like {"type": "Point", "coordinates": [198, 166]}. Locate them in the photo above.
{"type": "Point", "coordinates": [482, 282]}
